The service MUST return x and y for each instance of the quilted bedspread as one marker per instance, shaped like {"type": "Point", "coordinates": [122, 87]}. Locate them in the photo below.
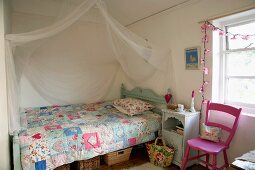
{"type": "Point", "coordinates": [57, 135]}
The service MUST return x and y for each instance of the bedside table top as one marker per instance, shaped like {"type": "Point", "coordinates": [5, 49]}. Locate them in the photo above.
{"type": "Point", "coordinates": [184, 113]}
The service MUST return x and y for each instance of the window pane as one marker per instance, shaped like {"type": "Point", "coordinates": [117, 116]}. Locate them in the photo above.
{"type": "Point", "coordinates": [239, 41]}
{"type": "Point", "coordinates": [241, 63]}
{"type": "Point", "coordinates": [241, 90]}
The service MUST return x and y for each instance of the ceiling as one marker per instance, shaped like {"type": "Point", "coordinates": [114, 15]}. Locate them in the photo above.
{"type": "Point", "coordinates": [130, 11]}
{"type": "Point", "coordinates": [125, 11]}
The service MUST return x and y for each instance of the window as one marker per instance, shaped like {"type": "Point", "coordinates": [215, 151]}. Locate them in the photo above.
{"type": "Point", "coordinates": [236, 63]}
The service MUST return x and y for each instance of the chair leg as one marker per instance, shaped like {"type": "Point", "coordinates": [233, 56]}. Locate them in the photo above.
{"type": "Point", "coordinates": [214, 163]}
{"type": "Point", "coordinates": [207, 160]}
{"type": "Point", "coordinates": [185, 159]}
{"type": "Point", "coordinates": [225, 158]}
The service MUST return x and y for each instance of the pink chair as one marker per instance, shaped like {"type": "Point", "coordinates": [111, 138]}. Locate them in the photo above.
{"type": "Point", "coordinates": [213, 148]}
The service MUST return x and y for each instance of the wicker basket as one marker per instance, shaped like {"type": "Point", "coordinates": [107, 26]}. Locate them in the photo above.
{"type": "Point", "coordinates": [117, 157]}
{"type": "Point", "coordinates": [89, 164]}
{"type": "Point", "coordinates": [172, 106]}
{"type": "Point", "coordinates": [63, 167]}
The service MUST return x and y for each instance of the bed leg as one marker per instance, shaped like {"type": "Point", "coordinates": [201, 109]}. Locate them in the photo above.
{"type": "Point", "coordinates": [16, 151]}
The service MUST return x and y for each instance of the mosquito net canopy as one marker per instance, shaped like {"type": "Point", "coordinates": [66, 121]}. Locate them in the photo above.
{"type": "Point", "coordinates": [80, 57]}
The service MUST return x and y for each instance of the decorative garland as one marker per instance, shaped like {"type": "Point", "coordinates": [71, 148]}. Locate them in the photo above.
{"type": "Point", "coordinates": [205, 39]}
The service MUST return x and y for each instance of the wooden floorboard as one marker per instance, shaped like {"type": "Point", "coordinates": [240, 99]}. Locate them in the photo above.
{"type": "Point", "coordinates": [138, 157]}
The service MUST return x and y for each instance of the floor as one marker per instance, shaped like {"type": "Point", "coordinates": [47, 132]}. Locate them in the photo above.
{"type": "Point", "coordinates": [137, 158]}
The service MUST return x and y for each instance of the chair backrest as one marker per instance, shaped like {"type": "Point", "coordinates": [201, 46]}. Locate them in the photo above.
{"type": "Point", "coordinates": [222, 108]}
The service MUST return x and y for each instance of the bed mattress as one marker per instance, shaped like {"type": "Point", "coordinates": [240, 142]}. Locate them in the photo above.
{"type": "Point", "coordinates": [57, 135]}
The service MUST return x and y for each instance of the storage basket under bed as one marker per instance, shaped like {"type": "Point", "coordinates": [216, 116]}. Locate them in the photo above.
{"type": "Point", "coordinates": [88, 164]}
{"type": "Point", "coordinates": [117, 157]}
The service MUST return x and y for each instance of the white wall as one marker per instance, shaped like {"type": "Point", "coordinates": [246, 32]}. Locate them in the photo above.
{"type": "Point", "coordinates": [4, 138]}
{"type": "Point", "coordinates": [178, 29]}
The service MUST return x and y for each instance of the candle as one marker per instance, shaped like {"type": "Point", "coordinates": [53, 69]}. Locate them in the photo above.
{"type": "Point", "coordinates": [192, 108]}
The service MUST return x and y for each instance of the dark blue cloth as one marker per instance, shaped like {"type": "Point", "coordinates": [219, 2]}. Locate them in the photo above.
{"type": "Point", "coordinates": [40, 165]}
{"type": "Point", "coordinates": [156, 134]}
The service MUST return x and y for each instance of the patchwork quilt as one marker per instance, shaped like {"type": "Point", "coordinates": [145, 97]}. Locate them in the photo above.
{"type": "Point", "coordinates": [57, 135]}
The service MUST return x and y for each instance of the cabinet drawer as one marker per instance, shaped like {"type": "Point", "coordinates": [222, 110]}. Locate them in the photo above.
{"type": "Point", "coordinates": [175, 140]}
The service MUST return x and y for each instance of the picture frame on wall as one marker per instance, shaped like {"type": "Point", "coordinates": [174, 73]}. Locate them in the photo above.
{"type": "Point", "coordinates": [192, 58]}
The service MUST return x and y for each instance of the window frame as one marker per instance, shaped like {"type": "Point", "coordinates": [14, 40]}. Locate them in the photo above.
{"type": "Point", "coordinates": [220, 83]}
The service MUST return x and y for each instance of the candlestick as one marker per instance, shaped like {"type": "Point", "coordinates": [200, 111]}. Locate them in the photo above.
{"type": "Point", "coordinates": [192, 108]}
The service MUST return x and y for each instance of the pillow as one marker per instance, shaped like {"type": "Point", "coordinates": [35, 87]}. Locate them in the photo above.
{"type": "Point", "coordinates": [131, 106]}
{"type": "Point", "coordinates": [210, 133]}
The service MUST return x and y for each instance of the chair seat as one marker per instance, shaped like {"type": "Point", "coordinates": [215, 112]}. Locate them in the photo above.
{"type": "Point", "coordinates": [206, 145]}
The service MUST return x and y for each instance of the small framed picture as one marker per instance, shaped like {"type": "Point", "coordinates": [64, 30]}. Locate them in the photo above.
{"type": "Point", "coordinates": [192, 58]}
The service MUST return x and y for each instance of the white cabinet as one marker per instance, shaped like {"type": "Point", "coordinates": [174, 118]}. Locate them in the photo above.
{"type": "Point", "coordinates": [189, 128]}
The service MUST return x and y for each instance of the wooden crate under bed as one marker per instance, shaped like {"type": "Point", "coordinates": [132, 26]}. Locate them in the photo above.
{"type": "Point", "coordinates": [117, 157]}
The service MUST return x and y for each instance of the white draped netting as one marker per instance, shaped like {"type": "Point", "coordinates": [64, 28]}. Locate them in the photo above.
{"type": "Point", "coordinates": [79, 59]}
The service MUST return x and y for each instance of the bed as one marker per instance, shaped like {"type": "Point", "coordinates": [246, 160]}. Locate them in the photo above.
{"type": "Point", "coordinates": [56, 135]}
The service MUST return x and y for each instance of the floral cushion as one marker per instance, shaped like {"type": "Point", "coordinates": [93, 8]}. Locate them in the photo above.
{"type": "Point", "coordinates": [131, 106]}
{"type": "Point", "coordinates": [210, 133]}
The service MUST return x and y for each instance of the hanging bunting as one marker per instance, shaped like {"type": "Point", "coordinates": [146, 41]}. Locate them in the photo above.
{"type": "Point", "coordinates": [205, 27]}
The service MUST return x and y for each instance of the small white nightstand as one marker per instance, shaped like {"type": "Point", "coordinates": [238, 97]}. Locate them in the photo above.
{"type": "Point", "coordinates": [189, 128]}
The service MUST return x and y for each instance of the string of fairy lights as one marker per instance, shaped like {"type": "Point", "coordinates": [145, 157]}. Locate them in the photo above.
{"type": "Point", "coordinates": [205, 28]}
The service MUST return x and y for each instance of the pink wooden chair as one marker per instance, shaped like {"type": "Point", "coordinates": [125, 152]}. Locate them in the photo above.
{"type": "Point", "coordinates": [213, 148]}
